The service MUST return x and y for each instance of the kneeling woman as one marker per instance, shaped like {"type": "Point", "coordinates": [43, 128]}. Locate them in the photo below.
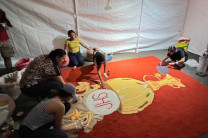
{"type": "Point", "coordinates": [72, 44]}
{"type": "Point", "coordinates": [48, 113]}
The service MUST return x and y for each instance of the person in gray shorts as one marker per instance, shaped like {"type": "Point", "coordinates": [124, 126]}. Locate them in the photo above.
{"type": "Point", "coordinates": [5, 46]}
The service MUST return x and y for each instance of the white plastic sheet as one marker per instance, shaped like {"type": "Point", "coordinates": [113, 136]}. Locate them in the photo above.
{"type": "Point", "coordinates": [129, 24]}
{"type": "Point", "coordinates": [192, 63]}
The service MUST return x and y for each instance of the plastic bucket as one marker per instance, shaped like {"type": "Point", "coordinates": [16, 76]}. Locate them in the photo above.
{"type": "Point", "coordinates": [23, 63]}
{"type": "Point", "coordinates": [203, 63]}
{"type": "Point", "coordinates": [3, 111]}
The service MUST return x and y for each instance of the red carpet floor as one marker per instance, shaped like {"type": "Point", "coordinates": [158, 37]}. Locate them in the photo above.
{"type": "Point", "coordinates": [174, 113]}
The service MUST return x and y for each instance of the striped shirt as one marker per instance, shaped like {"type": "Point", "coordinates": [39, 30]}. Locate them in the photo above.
{"type": "Point", "coordinates": [37, 117]}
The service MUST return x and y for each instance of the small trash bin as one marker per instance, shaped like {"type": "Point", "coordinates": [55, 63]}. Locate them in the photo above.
{"type": "Point", "coordinates": [203, 63]}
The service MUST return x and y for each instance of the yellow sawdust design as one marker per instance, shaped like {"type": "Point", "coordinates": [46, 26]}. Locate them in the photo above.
{"type": "Point", "coordinates": [85, 114]}
{"type": "Point", "coordinates": [134, 94]}
{"type": "Point", "coordinates": [168, 80]}
{"type": "Point", "coordinates": [83, 86]}
{"type": "Point", "coordinates": [92, 88]}
{"type": "Point", "coordinates": [75, 115]}
{"type": "Point", "coordinates": [158, 75]}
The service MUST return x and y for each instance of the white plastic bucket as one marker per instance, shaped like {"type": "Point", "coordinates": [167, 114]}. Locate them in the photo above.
{"type": "Point", "coordinates": [203, 63]}
{"type": "Point", "coordinates": [3, 111]}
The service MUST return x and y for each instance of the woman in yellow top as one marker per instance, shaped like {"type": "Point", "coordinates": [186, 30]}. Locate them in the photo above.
{"type": "Point", "coordinates": [72, 44]}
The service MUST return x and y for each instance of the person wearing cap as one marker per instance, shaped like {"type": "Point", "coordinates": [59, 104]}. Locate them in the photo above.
{"type": "Point", "coordinates": [177, 55]}
{"type": "Point", "coordinates": [45, 119]}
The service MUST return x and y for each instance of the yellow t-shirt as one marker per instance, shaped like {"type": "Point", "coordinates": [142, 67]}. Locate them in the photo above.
{"type": "Point", "coordinates": [73, 46]}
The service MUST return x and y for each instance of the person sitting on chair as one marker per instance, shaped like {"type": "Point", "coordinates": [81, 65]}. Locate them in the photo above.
{"type": "Point", "coordinates": [177, 55]}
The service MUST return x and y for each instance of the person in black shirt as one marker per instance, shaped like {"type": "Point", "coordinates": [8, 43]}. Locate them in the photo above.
{"type": "Point", "coordinates": [177, 55]}
{"type": "Point", "coordinates": [99, 58]}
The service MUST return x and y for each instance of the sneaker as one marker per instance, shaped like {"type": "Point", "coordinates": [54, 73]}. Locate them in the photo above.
{"type": "Point", "coordinates": [109, 58]}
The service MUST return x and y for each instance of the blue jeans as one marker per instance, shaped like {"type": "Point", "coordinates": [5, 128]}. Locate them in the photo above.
{"type": "Point", "coordinates": [42, 89]}
{"type": "Point", "coordinates": [76, 59]}
{"type": "Point", "coordinates": [25, 132]}
{"type": "Point", "coordinates": [31, 96]}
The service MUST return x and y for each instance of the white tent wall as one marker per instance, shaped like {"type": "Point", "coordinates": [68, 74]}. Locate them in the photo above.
{"type": "Point", "coordinates": [41, 25]}
{"type": "Point", "coordinates": [161, 23]}
{"type": "Point", "coordinates": [196, 26]}
{"type": "Point", "coordinates": [112, 30]}
{"type": "Point", "coordinates": [37, 23]}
